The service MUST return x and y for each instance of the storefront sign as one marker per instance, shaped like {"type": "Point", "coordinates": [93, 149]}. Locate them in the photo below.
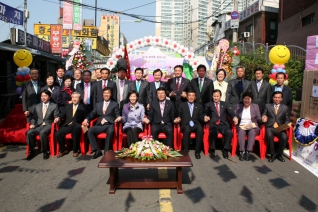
{"type": "Point", "coordinates": [87, 31]}
{"type": "Point", "coordinates": [11, 15]}
{"type": "Point", "coordinates": [77, 15]}
{"type": "Point", "coordinates": [102, 49]}
{"type": "Point", "coordinates": [56, 38]}
{"type": "Point", "coordinates": [68, 15]}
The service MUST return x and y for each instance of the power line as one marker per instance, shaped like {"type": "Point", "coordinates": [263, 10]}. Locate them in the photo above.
{"type": "Point", "coordinates": [140, 6]}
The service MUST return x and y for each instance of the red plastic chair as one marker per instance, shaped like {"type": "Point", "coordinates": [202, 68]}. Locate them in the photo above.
{"type": "Point", "coordinates": [103, 136]}
{"type": "Point", "coordinates": [38, 141]}
{"type": "Point", "coordinates": [259, 138]}
{"type": "Point", "coordinates": [68, 137]}
{"type": "Point", "coordinates": [163, 136]}
{"type": "Point", "coordinates": [123, 136]}
{"type": "Point", "coordinates": [289, 133]}
{"type": "Point", "coordinates": [178, 144]}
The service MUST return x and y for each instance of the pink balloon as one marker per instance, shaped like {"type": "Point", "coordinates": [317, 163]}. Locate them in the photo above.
{"type": "Point", "coordinates": [276, 66]}
{"type": "Point", "coordinates": [286, 76]}
{"type": "Point", "coordinates": [282, 66]}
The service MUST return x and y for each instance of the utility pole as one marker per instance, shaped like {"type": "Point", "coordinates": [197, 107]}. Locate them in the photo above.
{"type": "Point", "coordinates": [95, 12]}
{"type": "Point", "coordinates": [235, 8]}
{"type": "Point", "coordinates": [26, 16]}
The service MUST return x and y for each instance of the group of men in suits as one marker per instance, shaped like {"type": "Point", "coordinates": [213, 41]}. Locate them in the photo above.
{"type": "Point", "coordinates": [190, 103]}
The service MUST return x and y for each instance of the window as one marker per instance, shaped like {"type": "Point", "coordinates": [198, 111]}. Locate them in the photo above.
{"type": "Point", "coordinates": [250, 29]}
{"type": "Point", "coordinates": [308, 19]}
{"type": "Point", "coordinates": [273, 30]}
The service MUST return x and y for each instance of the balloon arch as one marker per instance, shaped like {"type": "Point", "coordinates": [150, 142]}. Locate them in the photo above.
{"type": "Point", "coordinates": [154, 41]}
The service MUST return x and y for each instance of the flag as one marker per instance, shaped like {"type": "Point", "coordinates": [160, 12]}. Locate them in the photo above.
{"type": "Point", "coordinates": [127, 62]}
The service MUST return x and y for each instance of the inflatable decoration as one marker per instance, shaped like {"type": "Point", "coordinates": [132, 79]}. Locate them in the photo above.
{"type": "Point", "coordinates": [22, 58]}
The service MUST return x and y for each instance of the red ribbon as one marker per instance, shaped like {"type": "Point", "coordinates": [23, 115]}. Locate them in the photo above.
{"type": "Point", "coordinates": [308, 124]}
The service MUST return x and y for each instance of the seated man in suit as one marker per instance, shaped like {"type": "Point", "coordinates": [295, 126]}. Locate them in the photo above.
{"type": "Point", "coordinates": [216, 112]}
{"type": "Point", "coordinates": [202, 86]}
{"type": "Point", "coordinates": [142, 87]}
{"type": "Point", "coordinates": [107, 113]}
{"type": "Point", "coordinates": [161, 117]}
{"type": "Point", "coordinates": [86, 90]}
{"type": "Point", "coordinates": [287, 92]}
{"type": "Point", "coordinates": [273, 116]}
{"type": "Point", "coordinates": [99, 86]}
{"type": "Point", "coordinates": [74, 113]}
{"type": "Point", "coordinates": [45, 113]}
{"type": "Point", "coordinates": [190, 114]}
{"type": "Point", "coordinates": [157, 83]}
{"type": "Point", "coordinates": [122, 87]}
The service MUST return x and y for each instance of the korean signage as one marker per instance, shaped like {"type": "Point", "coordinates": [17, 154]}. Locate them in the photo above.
{"type": "Point", "coordinates": [66, 41]}
{"type": "Point", "coordinates": [56, 38]}
{"type": "Point", "coordinates": [11, 15]}
{"type": "Point", "coordinates": [77, 15]}
{"type": "Point", "coordinates": [31, 40]}
{"type": "Point", "coordinates": [67, 15]}
{"type": "Point", "coordinates": [102, 49]}
{"type": "Point", "coordinates": [87, 31]}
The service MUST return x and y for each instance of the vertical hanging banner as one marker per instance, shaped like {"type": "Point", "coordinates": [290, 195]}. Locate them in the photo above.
{"type": "Point", "coordinates": [77, 15]}
{"type": "Point", "coordinates": [68, 15]}
{"type": "Point", "coordinates": [56, 38]}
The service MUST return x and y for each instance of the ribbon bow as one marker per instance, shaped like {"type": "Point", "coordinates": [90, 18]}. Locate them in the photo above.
{"type": "Point", "coordinates": [147, 137]}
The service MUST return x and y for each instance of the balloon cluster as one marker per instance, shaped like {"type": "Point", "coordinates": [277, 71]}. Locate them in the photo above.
{"type": "Point", "coordinates": [22, 58]}
{"type": "Point", "coordinates": [278, 55]}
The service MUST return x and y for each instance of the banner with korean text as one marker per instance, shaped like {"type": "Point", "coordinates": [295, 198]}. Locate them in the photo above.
{"type": "Point", "coordinates": [77, 15]}
{"type": "Point", "coordinates": [56, 38]}
{"type": "Point", "coordinates": [68, 15]}
{"type": "Point", "coordinates": [11, 15]}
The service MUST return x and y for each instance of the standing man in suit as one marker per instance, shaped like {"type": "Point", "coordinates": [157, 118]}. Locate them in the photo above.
{"type": "Point", "coordinates": [85, 89]}
{"type": "Point", "coordinates": [287, 92]}
{"type": "Point", "coordinates": [142, 87]}
{"type": "Point", "coordinates": [102, 84]}
{"type": "Point", "coordinates": [261, 90]}
{"type": "Point", "coordinates": [236, 87]}
{"type": "Point", "coordinates": [31, 93]}
{"type": "Point", "coordinates": [108, 114]}
{"type": "Point", "coordinates": [59, 81]}
{"type": "Point", "coordinates": [202, 86]}
{"type": "Point", "coordinates": [191, 116]}
{"type": "Point", "coordinates": [273, 116]}
{"type": "Point", "coordinates": [74, 113]}
{"type": "Point", "coordinates": [178, 87]}
{"type": "Point", "coordinates": [45, 113]}
{"type": "Point", "coordinates": [216, 112]}
{"type": "Point", "coordinates": [157, 75]}
{"type": "Point", "coordinates": [98, 75]}
{"type": "Point", "coordinates": [122, 87]}
{"type": "Point", "coordinates": [161, 116]}
{"type": "Point", "coordinates": [77, 78]}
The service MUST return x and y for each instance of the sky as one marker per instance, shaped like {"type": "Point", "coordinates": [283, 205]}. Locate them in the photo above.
{"type": "Point", "coordinates": [47, 12]}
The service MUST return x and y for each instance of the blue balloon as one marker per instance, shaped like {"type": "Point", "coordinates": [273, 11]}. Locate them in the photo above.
{"type": "Point", "coordinates": [284, 71]}
{"type": "Point", "coordinates": [273, 71]}
{"type": "Point", "coordinates": [18, 73]}
{"type": "Point", "coordinates": [279, 70]}
{"type": "Point", "coordinates": [22, 73]}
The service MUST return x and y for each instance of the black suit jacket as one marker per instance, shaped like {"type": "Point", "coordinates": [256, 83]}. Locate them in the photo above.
{"type": "Point", "coordinates": [154, 90]}
{"type": "Point", "coordinates": [264, 95]}
{"type": "Point", "coordinates": [57, 83]}
{"type": "Point", "coordinates": [73, 84]}
{"type": "Point", "coordinates": [98, 91]}
{"type": "Point", "coordinates": [51, 113]}
{"type": "Point", "coordinates": [78, 117]}
{"type": "Point", "coordinates": [80, 89]}
{"type": "Point", "coordinates": [205, 95]}
{"type": "Point", "coordinates": [287, 97]}
{"type": "Point", "coordinates": [56, 95]}
{"type": "Point", "coordinates": [233, 97]}
{"type": "Point", "coordinates": [172, 86]}
{"type": "Point", "coordinates": [121, 104]}
{"type": "Point", "coordinates": [111, 114]}
{"type": "Point", "coordinates": [144, 92]}
{"type": "Point", "coordinates": [184, 114]}
{"type": "Point", "coordinates": [225, 111]}
{"type": "Point", "coordinates": [282, 116]}
{"type": "Point", "coordinates": [29, 97]}
{"type": "Point", "coordinates": [155, 113]}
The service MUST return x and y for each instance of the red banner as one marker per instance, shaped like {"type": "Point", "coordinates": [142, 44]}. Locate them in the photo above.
{"type": "Point", "coordinates": [56, 38]}
{"type": "Point", "coordinates": [127, 62]}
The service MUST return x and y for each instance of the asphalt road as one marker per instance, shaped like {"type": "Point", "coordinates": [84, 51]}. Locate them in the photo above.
{"type": "Point", "coordinates": [76, 184]}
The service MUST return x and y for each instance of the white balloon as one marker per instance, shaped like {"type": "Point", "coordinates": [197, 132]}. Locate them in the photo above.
{"type": "Point", "coordinates": [191, 63]}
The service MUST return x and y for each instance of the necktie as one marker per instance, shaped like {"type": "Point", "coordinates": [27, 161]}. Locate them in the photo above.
{"type": "Point", "coordinates": [138, 86]}
{"type": "Point", "coordinates": [157, 85]}
{"type": "Point", "coordinates": [121, 91]}
{"type": "Point", "coordinates": [191, 112]}
{"type": "Point", "coordinates": [240, 86]}
{"type": "Point", "coordinates": [85, 93]}
{"type": "Point", "coordinates": [218, 111]}
{"type": "Point", "coordinates": [200, 85]}
{"type": "Point", "coordinates": [105, 107]}
{"type": "Point", "coordinates": [178, 84]}
{"type": "Point", "coordinates": [60, 81]}
{"type": "Point", "coordinates": [276, 111]}
{"type": "Point", "coordinates": [122, 83]}
{"type": "Point", "coordinates": [258, 85]}
{"type": "Point", "coordinates": [44, 111]}
{"type": "Point", "coordinates": [162, 107]}
{"type": "Point", "coordinates": [75, 84]}
{"type": "Point", "coordinates": [105, 84]}
{"type": "Point", "coordinates": [74, 110]}
{"type": "Point", "coordinates": [35, 86]}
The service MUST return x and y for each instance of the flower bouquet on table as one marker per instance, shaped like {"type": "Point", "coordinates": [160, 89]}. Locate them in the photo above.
{"type": "Point", "coordinates": [148, 149]}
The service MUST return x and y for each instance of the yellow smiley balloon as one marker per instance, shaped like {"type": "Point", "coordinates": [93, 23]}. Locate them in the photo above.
{"type": "Point", "coordinates": [279, 54]}
{"type": "Point", "coordinates": [22, 58]}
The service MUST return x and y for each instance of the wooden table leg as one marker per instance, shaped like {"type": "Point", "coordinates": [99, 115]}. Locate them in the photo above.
{"type": "Point", "coordinates": [112, 180]}
{"type": "Point", "coordinates": [179, 176]}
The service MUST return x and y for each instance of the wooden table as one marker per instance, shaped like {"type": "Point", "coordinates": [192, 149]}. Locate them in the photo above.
{"type": "Point", "coordinates": [110, 161]}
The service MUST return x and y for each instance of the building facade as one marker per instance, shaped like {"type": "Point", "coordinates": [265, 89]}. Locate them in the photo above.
{"type": "Point", "coordinates": [110, 29]}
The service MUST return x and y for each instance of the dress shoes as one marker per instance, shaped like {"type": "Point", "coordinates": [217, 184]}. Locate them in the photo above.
{"type": "Point", "coordinates": [31, 155]}
{"type": "Point", "coordinates": [61, 154]}
{"type": "Point", "coordinates": [46, 155]}
{"type": "Point", "coordinates": [212, 153]}
{"type": "Point", "coordinates": [280, 158]}
{"type": "Point", "coordinates": [247, 155]}
{"type": "Point", "coordinates": [197, 155]}
{"type": "Point", "coordinates": [75, 154]}
{"type": "Point", "coordinates": [271, 158]}
{"type": "Point", "coordinates": [242, 158]}
{"type": "Point", "coordinates": [97, 154]}
{"type": "Point", "coordinates": [225, 154]}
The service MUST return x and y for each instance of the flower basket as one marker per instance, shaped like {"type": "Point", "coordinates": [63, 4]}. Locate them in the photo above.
{"type": "Point", "coordinates": [148, 149]}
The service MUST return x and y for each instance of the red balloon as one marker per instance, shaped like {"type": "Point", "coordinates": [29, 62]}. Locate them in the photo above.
{"type": "Point", "coordinates": [272, 76]}
{"type": "Point", "coordinates": [26, 77]}
{"type": "Point", "coordinates": [19, 78]}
